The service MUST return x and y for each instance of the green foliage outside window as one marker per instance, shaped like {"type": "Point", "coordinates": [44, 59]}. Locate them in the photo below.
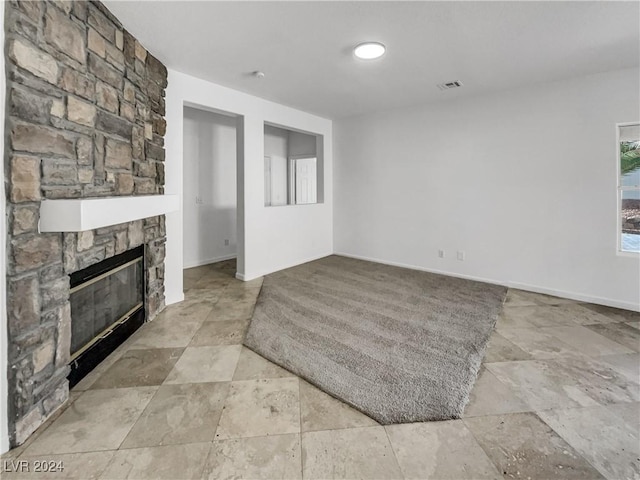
{"type": "Point", "coordinates": [629, 157]}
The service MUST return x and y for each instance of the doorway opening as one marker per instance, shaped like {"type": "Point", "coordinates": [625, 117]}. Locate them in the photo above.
{"type": "Point", "coordinates": [210, 198]}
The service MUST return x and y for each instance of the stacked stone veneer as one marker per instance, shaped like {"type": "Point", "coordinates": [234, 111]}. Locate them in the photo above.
{"type": "Point", "coordinates": [85, 112]}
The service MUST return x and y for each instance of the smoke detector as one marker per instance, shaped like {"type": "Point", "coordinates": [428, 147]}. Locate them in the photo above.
{"type": "Point", "coordinates": [450, 85]}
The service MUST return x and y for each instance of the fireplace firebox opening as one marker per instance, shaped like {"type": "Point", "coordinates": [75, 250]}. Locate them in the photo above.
{"type": "Point", "coordinates": [107, 306]}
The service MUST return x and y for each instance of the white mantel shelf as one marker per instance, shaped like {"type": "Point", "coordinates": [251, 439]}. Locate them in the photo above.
{"type": "Point", "coordinates": [80, 214]}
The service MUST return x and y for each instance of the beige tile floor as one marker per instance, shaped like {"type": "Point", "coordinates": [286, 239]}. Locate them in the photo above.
{"type": "Point", "coordinates": [557, 397]}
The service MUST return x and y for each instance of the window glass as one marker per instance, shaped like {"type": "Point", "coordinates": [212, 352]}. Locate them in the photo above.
{"type": "Point", "coordinates": [629, 187]}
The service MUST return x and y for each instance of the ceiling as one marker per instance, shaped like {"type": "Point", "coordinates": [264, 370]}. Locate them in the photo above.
{"type": "Point", "coordinates": [305, 48]}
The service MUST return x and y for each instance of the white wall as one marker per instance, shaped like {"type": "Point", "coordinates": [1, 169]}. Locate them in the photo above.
{"type": "Point", "coordinates": [301, 144]}
{"type": "Point", "coordinates": [210, 175]}
{"type": "Point", "coordinates": [4, 351]}
{"type": "Point", "coordinates": [523, 181]}
{"type": "Point", "coordinates": [269, 239]}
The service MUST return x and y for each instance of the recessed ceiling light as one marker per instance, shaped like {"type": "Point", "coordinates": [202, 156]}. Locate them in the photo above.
{"type": "Point", "coordinates": [369, 50]}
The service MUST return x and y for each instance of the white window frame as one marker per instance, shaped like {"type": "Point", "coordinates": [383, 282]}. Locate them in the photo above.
{"type": "Point", "coordinates": [620, 188]}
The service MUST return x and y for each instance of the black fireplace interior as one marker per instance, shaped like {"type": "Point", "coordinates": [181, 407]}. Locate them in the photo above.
{"type": "Point", "coordinates": [107, 306]}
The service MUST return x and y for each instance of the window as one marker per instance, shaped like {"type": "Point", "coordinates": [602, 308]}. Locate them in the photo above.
{"type": "Point", "coordinates": [292, 167]}
{"type": "Point", "coordinates": [629, 187]}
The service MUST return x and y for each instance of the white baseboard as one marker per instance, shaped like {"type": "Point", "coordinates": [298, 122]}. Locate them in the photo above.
{"type": "Point", "coordinates": [199, 263]}
{"type": "Point", "coordinates": [179, 298]}
{"type": "Point", "coordinates": [521, 286]}
{"type": "Point", "coordinates": [580, 297]}
{"type": "Point", "coordinates": [253, 275]}
{"type": "Point", "coordinates": [422, 269]}
{"type": "Point", "coordinates": [174, 299]}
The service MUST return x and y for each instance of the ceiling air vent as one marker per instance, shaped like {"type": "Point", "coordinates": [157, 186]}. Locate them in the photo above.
{"type": "Point", "coordinates": [450, 85]}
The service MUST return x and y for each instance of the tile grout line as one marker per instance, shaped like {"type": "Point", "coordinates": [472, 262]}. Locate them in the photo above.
{"type": "Point", "coordinates": [475, 439]}
{"type": "Point", "coordinates": [139, 416]}
{"type": "Point", "coordinates": [262, 435]}
{"type": "Point", "coordinates": [224, 403]}
{"type": "Point", "coordinates": [300, 426]}
{"type": "Point", "coordinates": [128, 431]}
{"type": "Point", "coordinates": [206, 459]}
{"type": "Point", "coordinates": [108, 464]}
{"type": "Point", "coordinates": [604, 474]}
{"type": "Point", "coordinates": [176, 444]}
{"type": "Point", "coordinates": [393, 451]}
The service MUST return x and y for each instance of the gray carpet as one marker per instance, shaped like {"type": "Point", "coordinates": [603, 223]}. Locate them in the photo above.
{"type": "Point", "coordinates": [397, 344]}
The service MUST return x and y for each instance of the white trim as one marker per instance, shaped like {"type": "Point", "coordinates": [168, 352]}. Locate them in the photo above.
{"type": "Point", "coordinates": [520, 286]}
{"type": "Point", "coordinates": [252, 276]}
{"type": "Point", "coordinates": [422, 269]}
{"type": "Point", "coordinates": [82, 214]}
{"type": "Point", "coordinates": [171, 299]}
{"type": "Point", "coordinates": [207, 261]}
{"type": "Point", "coordinates": [580, 297]}
{"type": "Point", "coordinates": [4, 387]}
{"type": "Point", "coordinates": [619, 190]}
{"type": "Point", "coordinates": [625, 253]}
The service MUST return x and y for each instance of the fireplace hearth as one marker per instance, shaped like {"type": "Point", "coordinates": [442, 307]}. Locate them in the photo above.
{"type": "Point", "coordinates": [107, 306]}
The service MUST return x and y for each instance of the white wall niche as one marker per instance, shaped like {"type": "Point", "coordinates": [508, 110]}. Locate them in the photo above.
{"type": "Point", "coordinates": [293, 167]}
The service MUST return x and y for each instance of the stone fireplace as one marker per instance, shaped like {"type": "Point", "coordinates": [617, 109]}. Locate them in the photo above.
{"type": "Point", "coordinates": [85, 118]}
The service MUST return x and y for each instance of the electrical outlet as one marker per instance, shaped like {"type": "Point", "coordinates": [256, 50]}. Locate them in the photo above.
{"type": "Point", "coordinates": [461, 255]}
{"type": "Point", "coordinates": [441, 253]}
{"type": "Point", "coordinates": [226, 242]}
